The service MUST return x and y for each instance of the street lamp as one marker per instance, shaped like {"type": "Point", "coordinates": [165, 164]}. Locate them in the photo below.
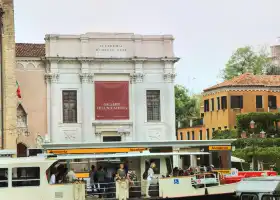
{"type": "Point", "coordinates": [262, 134]}
{"type": "Point", "coordinates": [252, 124]}
{"type": "Point", "coordinates": [243, 134]}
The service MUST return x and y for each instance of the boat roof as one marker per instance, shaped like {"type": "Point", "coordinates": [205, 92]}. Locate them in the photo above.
{"type": "Point", "coordinates": [9, 161]}
{"type": "Point", "coordinates": [269, 184]}
{"type": "Point", "coordinates": [148, 144]}
{"type": "Point", "coordinates": [125, 155]}
{"type": "Point", "coordinates": [263, 178]}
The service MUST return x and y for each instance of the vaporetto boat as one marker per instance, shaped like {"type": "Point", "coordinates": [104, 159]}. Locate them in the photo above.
{"type": "Point", "coordinates": [28, 179]}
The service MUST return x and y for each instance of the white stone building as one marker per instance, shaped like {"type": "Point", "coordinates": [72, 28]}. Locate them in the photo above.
{"type": "Point", "coordinates": [105, 87]}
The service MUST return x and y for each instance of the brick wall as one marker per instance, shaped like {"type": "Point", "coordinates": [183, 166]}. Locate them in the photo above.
{"type": "Point", "coordinates": [10, 100]}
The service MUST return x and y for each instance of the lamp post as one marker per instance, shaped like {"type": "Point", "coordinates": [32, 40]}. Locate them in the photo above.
{"type": "Point", "coordinates": [253, 136]}
{"type": "Point", "coordinates": [252, 126]}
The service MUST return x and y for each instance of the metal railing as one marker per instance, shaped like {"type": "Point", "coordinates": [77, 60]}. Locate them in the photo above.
{"type": "Point", "coordinates": [107, 190]}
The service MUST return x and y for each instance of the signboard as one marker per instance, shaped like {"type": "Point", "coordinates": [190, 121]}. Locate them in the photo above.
{"type": "Point", "coordinates": [234, 172]}
{"type": "Point", "coordinates": [223, 171]}
{"type": "Point", "coordinates": [176, 181]}
{"type": "Point", "coordinates": [111, 100]}
{"type": "Point", "coordinates": [92, 151]}
{"type": "Point", "coordinates": [219, 148]}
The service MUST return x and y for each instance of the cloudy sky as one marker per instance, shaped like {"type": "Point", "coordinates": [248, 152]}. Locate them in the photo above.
{"type": "Point", "coordinates": [206, 31]}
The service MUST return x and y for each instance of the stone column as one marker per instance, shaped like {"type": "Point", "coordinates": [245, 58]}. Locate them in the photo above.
{"type": "Point", "coordinates": [53, 79]}
{"type": "Point", "coordinates": [169, 77]}
{"type": "Point", "coordinates": [87, 107]}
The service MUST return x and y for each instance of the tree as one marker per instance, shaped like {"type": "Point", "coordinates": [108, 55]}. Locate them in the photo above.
{"type": "Point", "coordinates": [186, 107]}
{"type": "Point", "coordinates": [245, 59]}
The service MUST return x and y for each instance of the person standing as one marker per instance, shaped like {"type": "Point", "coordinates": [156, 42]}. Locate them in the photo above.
{"type": "Point", "coordinates": [71, 176]}
{"type": "Point", "coordinates": [150, 177]}
{"type": "Point", "coordinates": [101, 176]}
{"type": "Point", "coordinates": [93, 180]}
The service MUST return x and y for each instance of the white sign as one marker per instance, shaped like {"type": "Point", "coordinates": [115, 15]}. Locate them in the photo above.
{"type": "Point", "coordinates": [234, 172]}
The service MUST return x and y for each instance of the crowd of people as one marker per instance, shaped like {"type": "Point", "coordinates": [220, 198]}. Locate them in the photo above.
{"type": "Point", "coordinates": [104, 181]}
{"type": "Point", "coordinates": [188, 171]}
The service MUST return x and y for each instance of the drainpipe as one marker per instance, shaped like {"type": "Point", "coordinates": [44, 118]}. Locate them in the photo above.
{"type": "Point", "coordinates": [2, 78]}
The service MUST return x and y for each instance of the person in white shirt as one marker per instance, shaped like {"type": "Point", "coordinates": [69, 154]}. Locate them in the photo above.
{"type": "Point", "coordinates": [53, 177]}
{"type": "Point", "coordinates": [150, 178]}
{"type": "Point", "coordinates": [71, 176]}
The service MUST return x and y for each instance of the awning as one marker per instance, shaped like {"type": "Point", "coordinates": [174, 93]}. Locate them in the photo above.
{"type": "Point", "coordinates": [237, 160]}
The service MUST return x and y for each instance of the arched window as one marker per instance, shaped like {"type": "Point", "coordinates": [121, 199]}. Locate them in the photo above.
{"type": "Point", "coordinates": [21, 117]}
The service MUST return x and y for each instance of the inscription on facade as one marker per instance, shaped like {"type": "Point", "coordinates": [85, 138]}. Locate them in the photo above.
{"type": "Point", "coordinates": [111, 50]}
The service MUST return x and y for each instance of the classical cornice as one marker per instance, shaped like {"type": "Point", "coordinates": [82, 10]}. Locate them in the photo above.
{"type": "Point", "coordinates": [111, 59]}
{"type": "Point", "coordinates": [241, 89]}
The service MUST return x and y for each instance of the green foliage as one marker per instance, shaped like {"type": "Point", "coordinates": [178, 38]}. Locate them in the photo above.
{"type": "Point", "coordinates": [244, 60]}
{"type": "Point", "coordinates": [263, 121]}
{"type": "Point", "coordinates": [224, 134]}
{"type": "Point", "coordinates": [186, 107]}
{"type": "Point", "coordinates": [267, 154]}
{"type": "Point", "coordinates": [258, 142]}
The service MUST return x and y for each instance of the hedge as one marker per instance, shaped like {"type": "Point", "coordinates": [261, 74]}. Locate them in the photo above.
{"type": "Point", "coordinates": [268, 154]}
{"type": "Point", "coordinates": [263, 121]}
{"type": "Point", "coordinates": [258, 142]}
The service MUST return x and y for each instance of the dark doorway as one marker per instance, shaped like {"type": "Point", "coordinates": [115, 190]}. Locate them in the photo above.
{"type": "Point", "coordinates": [112, 138]}
{"type": "Point", "coordinates": [21, 150]}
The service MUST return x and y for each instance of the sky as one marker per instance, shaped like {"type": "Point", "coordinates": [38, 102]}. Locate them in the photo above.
{"type": "Point", "coordinates": [206, 32]}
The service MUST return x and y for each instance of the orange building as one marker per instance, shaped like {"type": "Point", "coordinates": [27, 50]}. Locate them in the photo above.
{"type": "Point", "coordinates": [222, 102]}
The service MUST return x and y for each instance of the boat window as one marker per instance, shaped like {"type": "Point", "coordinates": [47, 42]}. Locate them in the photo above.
{"type": "Point", "coordinates": [249, 197]}
{"type": "Point", "coordinates": [3, 177]}
{"type": "Point", "coordinates": [157, 168]}
{"type": "Point", "coordinates": [270, 197]}
{"type": "Point", "coordinates": [26, 176]}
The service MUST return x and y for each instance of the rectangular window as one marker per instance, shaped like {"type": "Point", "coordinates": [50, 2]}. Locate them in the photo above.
{"type": "Point", "coordinates": [112, 138]}
{"type": "Point", "coordinates": [200, 134]}
{"type": "Point", "coordinates": [272, 102]}
{"type": "Point", "coordinates": [259, 101]}
{"type": "Point", "coordinates": [212, 104]}
{"type": "Point", "coordinates": [224, 102]}
{"type": "Point", "coordinates": [218, 103]}
{"type": "Point", "coordinates": [26, 176]}
{"type": "Point", "coordinates": [69, 101]}
{"type": "Point", "coordinates": [206, 105]}
{"type": "Point", "coordinates": [236, 101]}
{"type": "Point", "coordinates": [193, 135]}
{"type": "Point", "coordinates": [153, 105]}
{"type": "Point", "coordinates": [207, 134]}
{"type": "Point", "coordinates": [181, 135]}
{"type": "Point", "coordinates": [188, 135]}
{"type": "Point", "coordinates": [3, 177]}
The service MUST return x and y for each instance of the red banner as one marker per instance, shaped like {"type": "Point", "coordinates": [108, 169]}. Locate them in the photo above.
{"type": "Point", "coordinates": [111, 100]}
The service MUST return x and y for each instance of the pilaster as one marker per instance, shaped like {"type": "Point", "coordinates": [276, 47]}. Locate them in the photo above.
{"type": "Point", "coordinates": [52, 80]}
{"type": "Point", "coordinates": [87, 107]}
{"type": "Point", "coordinates": [169, 78]}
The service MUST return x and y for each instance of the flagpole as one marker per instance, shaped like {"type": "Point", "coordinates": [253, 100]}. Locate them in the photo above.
{"type": "Point", "coordinates": [2, 78]}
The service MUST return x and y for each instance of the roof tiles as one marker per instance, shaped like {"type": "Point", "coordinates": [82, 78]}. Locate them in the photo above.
{"type": "Point", "coordinates": [30, 50]}
{"type": "Point", "coordinates": [249, 80]}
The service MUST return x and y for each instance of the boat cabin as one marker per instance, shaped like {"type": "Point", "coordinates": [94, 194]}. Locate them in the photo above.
{"type": "Point", "coordinates": [259, 188]}
{"type": "Point", "coordinates": [28, 179]}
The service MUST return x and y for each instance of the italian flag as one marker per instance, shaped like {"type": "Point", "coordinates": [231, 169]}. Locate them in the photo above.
{"type": "Point", "coordinates": [18, 91]}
